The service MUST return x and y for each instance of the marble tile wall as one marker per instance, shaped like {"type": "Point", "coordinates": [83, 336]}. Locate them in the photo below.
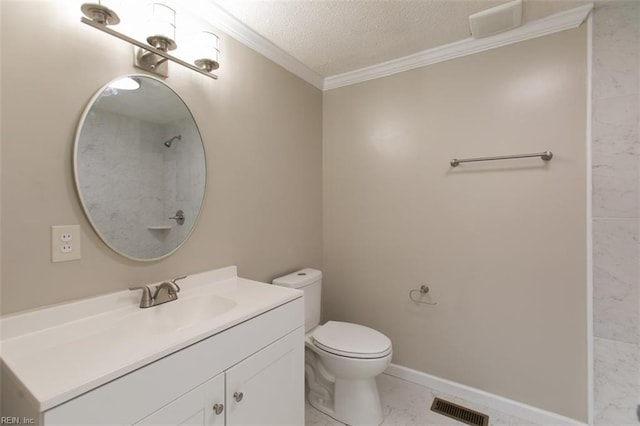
{"type": "Point", "coordinates": [140, 183]}
{"type": "Point", "coordinates": [185, 174]}
{"type": "Point", "coordinates": [110, 193]}
{"type": "Point", "coordinates": [616, 211]}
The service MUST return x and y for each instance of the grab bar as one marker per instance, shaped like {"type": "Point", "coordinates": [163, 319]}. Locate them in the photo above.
{"type": "Point", "coordinates": [546, 156]}
{"type": "Point", "coordinates": [423, 290]}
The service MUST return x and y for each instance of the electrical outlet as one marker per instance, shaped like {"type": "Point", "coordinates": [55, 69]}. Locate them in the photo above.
{"type": "Point", "coordinates": [65, 243]}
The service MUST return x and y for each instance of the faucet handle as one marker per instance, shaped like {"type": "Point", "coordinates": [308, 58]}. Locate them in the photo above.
{"type": "Point", "coordinates": [146, 300]}
{"type": "Point", "coordinates": [173, 280]}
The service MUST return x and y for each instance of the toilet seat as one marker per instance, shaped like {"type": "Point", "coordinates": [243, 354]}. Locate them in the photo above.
{"type": "Point", "coordinates": [351, 340]}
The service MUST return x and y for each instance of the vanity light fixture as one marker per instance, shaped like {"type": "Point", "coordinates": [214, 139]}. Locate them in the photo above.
{"type": "Point", "coordinates": [153, 56]}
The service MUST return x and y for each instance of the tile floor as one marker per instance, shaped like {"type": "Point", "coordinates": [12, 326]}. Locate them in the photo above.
{"type": "Point", "coordinates": [405, 403]}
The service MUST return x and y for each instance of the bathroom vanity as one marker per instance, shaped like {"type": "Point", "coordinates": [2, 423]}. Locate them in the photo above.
{"type": "Point", "coordinates": [228, 351]}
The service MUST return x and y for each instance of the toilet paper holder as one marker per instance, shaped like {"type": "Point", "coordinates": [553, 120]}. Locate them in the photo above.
{"type": "Point", "coordinates": [421, 292]}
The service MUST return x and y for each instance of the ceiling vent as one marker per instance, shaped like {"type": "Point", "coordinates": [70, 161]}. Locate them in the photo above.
{"type": "Point", "coordinates": [496, 20]}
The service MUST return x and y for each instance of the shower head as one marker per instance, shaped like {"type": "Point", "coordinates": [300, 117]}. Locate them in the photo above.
{"type": "Point", "coordinates": [170, 141]}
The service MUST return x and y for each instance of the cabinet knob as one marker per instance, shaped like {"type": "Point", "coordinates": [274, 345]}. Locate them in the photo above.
{"type": "Point", "coordinates": [238, 396]}
{"type": "Point", "coordinates": [218, 408]}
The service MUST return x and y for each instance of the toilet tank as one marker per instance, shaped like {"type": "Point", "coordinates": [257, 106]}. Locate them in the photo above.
{"type": "Point", "coordinates": [310, 281]}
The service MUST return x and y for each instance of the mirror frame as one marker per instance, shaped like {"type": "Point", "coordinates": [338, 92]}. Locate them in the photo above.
{"type": "Point", "coordinates": [76, 141]}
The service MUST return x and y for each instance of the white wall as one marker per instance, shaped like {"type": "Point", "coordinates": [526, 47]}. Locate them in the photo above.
{"type": "Point", "coordinates": [261, 127]}
{"type": "Point", "coordinates": [502, 245]}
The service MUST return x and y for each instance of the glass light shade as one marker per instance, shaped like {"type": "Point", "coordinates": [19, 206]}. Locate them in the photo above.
{"type": "Point", "coordinates": [208, 51]}
{"type": "Point", "coordinates": [161, 26]}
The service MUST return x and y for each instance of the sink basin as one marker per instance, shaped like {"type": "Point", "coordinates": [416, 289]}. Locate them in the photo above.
{"type": "Point", "coordinates": [181, 313]}
{"type": "Point", "coordinates": [178, 314]}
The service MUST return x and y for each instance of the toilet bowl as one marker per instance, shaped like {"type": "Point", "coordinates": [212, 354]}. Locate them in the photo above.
{"type": "Point", "coordinates": [342, 359]}
{"type": "Point", "coordinates": [343, 382]}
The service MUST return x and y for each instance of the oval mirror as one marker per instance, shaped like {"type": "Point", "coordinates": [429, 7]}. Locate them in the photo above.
{"type": "Point", "coordinates": [139, 167]}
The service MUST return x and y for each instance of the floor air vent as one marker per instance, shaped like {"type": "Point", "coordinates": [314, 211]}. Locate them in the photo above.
{"type": "Point", "coordinates": [459, 413]}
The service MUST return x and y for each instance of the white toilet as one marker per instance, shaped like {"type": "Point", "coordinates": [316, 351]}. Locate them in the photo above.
{"type": "Point", "coordinates": [342, 359]}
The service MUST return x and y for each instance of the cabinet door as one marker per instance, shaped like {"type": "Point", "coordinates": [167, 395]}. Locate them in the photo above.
{"type": "Point", "coordinates": [195, 408]}
{"type": "Point", "coordinates": [268, 387]}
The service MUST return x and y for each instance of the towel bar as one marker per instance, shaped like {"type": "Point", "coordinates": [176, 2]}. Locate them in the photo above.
{"type": "Point", "coordinates": [546, 156]}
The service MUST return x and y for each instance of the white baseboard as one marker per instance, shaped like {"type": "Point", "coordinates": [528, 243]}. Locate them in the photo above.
{"type": "Point", "coordinates": [477, 396]}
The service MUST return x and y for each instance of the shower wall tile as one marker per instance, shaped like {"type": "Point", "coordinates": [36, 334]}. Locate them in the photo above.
{"type": "Point", "coordinates": [616, 278]}
{"type": "Point", "coordinates": [616, 53]}
{"type": "Point", "coordinates": [120, 177]}
{"type": "Point", "coordinates": [616, 109]}
{"type": "Point", "coordinates": [185, 177]}
{"type": "Point", "coordinates": [616, 211]}
{"type": "Point", "coordinates": [616, 382]}
{"type": "Point", "coordinates": [616, 170]}
{"type": "Point", "coordinates": [611, 82]}
{"type": "Point", "coordinates": [615, 27]}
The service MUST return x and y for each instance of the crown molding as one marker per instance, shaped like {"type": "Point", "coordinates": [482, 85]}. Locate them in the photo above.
{"type": "Point", "coordinates": [224, 21]}
{"type": "Point", "coordinates": [561, 21]}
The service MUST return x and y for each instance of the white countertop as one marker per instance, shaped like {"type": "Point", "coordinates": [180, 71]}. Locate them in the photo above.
{"type": "Point", "coordinates": [60, 352]}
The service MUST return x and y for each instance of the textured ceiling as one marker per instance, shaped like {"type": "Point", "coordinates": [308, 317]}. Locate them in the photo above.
{"type": "Point", "coordinates": [336, 36]}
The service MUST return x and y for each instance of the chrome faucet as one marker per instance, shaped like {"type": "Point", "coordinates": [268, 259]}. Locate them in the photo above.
{"type": "Point", "coordinates": [164, 292]}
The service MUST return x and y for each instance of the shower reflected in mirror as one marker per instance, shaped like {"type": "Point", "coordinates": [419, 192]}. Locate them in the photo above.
{"type": "Point", "coordinates": [170, 141]}
{"type": "Point", "coordinates": [140, 168]}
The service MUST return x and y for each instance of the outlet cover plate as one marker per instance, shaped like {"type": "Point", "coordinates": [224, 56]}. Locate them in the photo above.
{"type": "Point", "coordinates": [65, 243]}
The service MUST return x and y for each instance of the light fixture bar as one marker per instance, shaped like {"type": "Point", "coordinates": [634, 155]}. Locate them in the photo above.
{"type": "Point", "coordinates": [145, 46]}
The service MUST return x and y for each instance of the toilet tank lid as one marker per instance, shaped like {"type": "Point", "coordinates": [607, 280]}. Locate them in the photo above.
{"type": "Point", "coordinates": [299, 279]}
